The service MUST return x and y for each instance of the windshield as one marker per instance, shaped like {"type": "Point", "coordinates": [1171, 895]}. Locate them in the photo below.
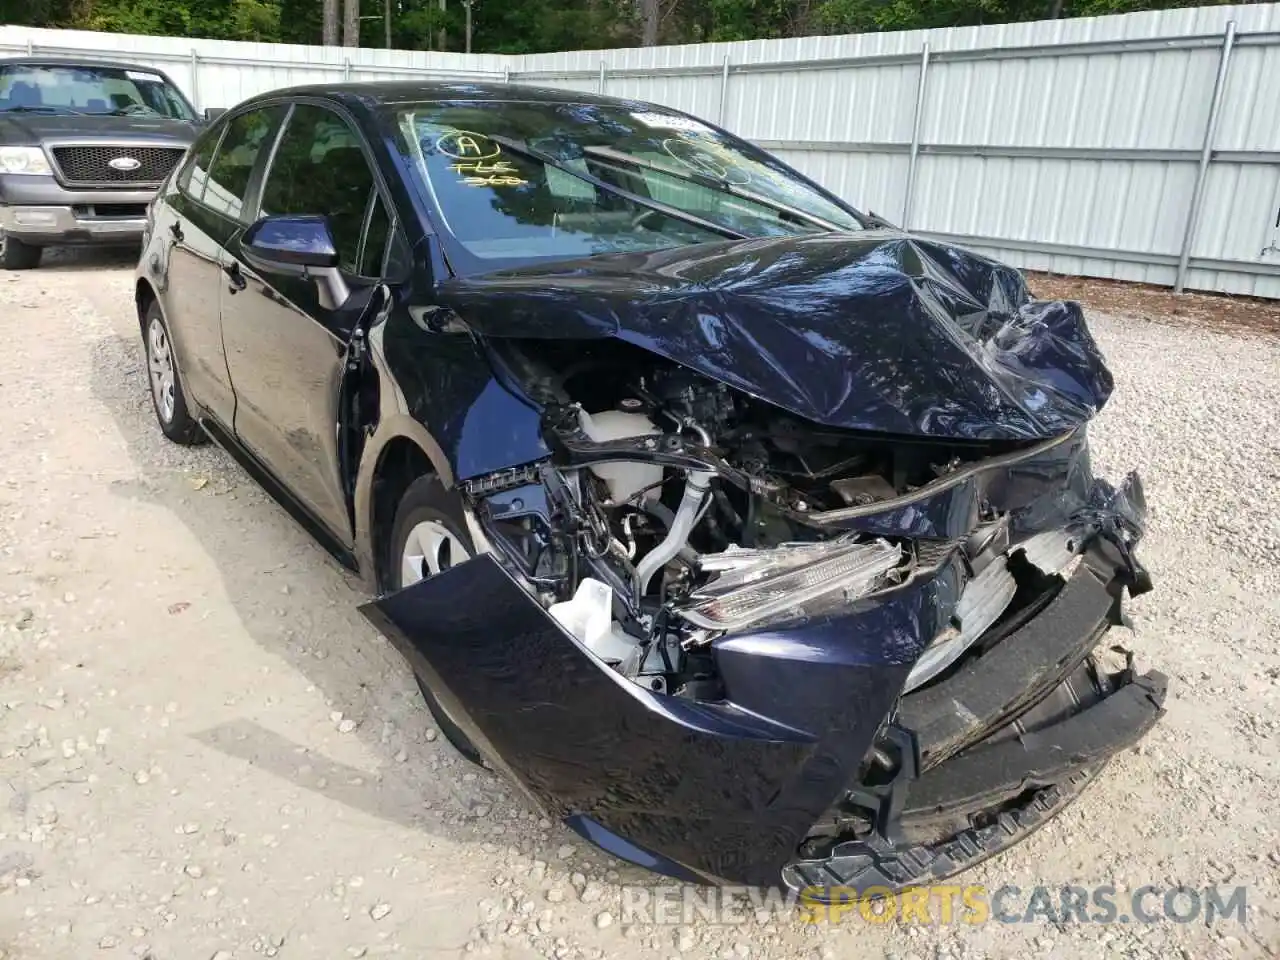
{"type": "Point", "coordinates": [59, 88]}
{"type": "Point", "coordinates": [527, 180]}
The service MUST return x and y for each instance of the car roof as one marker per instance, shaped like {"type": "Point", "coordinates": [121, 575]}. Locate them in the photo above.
{"type": "Point", "coordinates": [372, 94]}
{"type": "Point", "coordinates": [36, 61]}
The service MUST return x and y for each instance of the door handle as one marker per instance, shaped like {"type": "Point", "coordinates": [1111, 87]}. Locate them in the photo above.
{"type": "Point", "coordinates": [175, 231]}
{"type": "Point", "coordinates": [236, 280]}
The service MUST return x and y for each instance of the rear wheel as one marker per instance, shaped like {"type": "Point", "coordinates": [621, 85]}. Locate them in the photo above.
{"type": "Point", "coordinates": [428, 537]}
{"type": "Point", "coordinates": [167, 398]}
{"type": "Point", "coordinates": [16, 255]}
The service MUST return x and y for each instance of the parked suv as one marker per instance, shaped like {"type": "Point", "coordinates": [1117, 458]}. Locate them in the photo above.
{"type": "Point", "coordinates": [83, 146]}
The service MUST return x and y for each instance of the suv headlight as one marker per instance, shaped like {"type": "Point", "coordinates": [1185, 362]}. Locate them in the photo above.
{"type": "Point", "coordinates": [30, 160]}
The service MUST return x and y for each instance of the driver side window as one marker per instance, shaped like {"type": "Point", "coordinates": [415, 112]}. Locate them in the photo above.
{"type": "Point", "coordinates": [319, 168]}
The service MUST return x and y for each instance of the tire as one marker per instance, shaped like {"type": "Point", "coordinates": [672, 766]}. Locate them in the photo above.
{"type": "Point", "coordinates": [424, 504]}
{"type": "Point", "coordinates": [16, 255]}
{"type": "Point", "coordinates": [165, 382]}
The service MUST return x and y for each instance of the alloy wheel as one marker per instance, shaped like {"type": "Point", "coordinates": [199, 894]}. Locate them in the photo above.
{"type": "Point", "coordinates": [160, 362]}
{"type": "Point", "coordinates": [429, 549]}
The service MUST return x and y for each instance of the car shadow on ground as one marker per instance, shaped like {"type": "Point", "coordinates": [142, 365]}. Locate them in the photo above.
{"type": "Point", "coordinates": [81, 259]}
{"type": "Point", "coordinates": [298, 604]}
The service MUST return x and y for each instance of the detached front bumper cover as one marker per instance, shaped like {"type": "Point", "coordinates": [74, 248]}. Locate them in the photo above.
{"type": "Point", "coordinates": [736, 790]}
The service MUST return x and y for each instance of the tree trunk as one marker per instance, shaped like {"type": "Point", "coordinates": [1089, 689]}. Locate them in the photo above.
{"type": "Point", "coordinates": [649, 14]}
{"type": "Point", "coordinates": [330, 23]}
{"type": "Point", "coordinates": [351, 23]}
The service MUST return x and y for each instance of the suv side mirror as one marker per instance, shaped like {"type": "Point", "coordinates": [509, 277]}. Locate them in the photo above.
{"type": "Point", "coordinates": [213, 113]}
{"type": "Point", "coordinates": [298, 246]}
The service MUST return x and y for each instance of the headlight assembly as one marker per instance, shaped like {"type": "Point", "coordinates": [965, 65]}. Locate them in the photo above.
{"type": "Point", "coordinates": [758, 584]}
{"type": "Point", "coordinates": [29, 160]}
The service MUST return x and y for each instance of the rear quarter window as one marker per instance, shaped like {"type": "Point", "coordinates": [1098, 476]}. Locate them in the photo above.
{"type": "Point", "coordinates": [195, 171]}
{"type": "Point", "coordinates": [245, 138]}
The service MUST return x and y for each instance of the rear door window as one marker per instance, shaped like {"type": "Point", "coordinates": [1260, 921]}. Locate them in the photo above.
{"type": "Point", "coordinates": [228, 179]}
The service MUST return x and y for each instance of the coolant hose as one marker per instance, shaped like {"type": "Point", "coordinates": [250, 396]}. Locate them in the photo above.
{"type": "Point", "coordinates": [696, 487]}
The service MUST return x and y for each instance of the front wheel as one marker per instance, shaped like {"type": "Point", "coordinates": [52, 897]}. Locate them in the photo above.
{"type": "Point", "coordinates": [16, 255]}
{"type": "Point", "coordinates": [428, 537]}
{"type": "Point", "coordinates": [167, 398]}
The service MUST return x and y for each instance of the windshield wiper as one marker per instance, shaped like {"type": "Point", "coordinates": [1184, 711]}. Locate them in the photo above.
{"type": "Point", "coordinates": [715, 183]}
{"type": "Point", "coordinates": [136, 110]}
{"type": "Point", "coordinates": [875, 220]}
{"type": "Point", "coordinates": [41, 108]}
{"type": "Point", "coordinates": [656, 205]}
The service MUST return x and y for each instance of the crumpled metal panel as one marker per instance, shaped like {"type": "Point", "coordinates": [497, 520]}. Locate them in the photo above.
{"type": "Point", "coordinates": [871, 331]}
{"type": "Point", "coordinates": [984, 598]}
{"type": "Point", "coordinates": [1049, 552]}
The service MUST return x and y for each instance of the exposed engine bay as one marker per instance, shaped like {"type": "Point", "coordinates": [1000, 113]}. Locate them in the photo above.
{"type": "Point", "coordinates": [676, 510]}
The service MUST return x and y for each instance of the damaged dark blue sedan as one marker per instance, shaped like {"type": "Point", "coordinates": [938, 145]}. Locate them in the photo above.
{"type": "Point", "coordinates": [754, 538]}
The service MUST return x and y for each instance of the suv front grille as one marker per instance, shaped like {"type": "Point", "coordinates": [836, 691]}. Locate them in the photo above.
{"type": "Point", "coordinates": [91, 166]}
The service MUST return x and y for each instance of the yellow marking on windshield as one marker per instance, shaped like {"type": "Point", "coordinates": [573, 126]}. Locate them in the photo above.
{"type": "Point", "coordinates": [497, 173]}
{"type": "Point", "coordinates": [465, 145]}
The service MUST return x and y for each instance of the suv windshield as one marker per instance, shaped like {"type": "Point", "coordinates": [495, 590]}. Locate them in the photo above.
{"type": "Point", "coordinates": [528, 180]}
{"type": "Point", "coordinates": [63, 88]}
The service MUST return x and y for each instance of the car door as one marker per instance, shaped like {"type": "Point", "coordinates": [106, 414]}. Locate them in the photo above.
{"type": "Point", "coordinates": [189, 272]}
{"type": "Point", "coordinates": [285, 348]}
{"type": "Point", "coordinates": [210, 212]}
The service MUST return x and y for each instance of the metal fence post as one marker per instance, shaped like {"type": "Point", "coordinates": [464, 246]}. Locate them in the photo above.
{"type": "Point", "coordinates": [724, 92]}
{"type": "Point", "coordinates": [1206, 155]}
{"type": "Point", "coordinates": [916, 121]}
{"type": "Point", "coordinates": [195, 79]}
{"type": "Point", "coordinates": [601, 84]}
{"type": "Point", "coordinates": [346, 70]}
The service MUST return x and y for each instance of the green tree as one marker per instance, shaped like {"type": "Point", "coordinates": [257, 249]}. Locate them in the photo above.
{"type": "Point", "coordinates": [536, 26]}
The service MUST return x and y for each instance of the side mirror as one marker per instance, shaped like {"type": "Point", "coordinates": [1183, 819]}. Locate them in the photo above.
{"type": "Point", "coordinates": [213, 113]}
{"type": "Point", "coordinates": [298, 247]}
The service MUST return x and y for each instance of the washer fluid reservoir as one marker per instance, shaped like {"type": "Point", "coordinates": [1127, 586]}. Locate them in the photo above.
{"type": "Point", "coordinates": [624, 479]}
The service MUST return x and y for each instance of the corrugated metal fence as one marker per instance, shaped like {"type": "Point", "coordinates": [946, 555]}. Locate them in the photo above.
{"type": "Point", "coordinates": [1142, 147]}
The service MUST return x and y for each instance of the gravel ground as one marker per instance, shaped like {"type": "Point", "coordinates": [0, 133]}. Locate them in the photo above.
{"type": "Point", "coordinates": [206, 753]}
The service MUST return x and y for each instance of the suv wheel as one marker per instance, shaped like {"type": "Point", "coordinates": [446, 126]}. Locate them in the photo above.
{"type": "Point", "coordinates": [16, 255]}
{"type": "Point", "coordinates": [429, 536]}
{"type": "Point", "coordinates": [167, 398]}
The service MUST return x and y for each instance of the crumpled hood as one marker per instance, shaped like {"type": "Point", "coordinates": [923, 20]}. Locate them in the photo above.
{"type": "Point", "coordinates": [877, 331]}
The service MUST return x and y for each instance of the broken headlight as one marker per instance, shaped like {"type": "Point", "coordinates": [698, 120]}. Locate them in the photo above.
{"type": "Point", "coordinates": [758, 584]}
